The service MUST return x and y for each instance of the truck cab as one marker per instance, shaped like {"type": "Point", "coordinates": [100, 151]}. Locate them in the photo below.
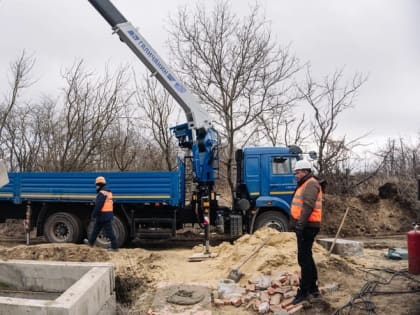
{"type": "Point", "coordinates": [265, 185]}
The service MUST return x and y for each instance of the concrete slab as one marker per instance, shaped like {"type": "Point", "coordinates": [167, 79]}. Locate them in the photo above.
{"type": "Point", "coordinates": [85, 288]}
{"type": "Point", "coordinates": [342, 247]}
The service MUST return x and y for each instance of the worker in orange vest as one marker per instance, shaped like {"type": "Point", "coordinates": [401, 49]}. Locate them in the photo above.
{"type": "Point", "coordinates": [103, 214]}
{"type": "Point", "coordinates": [305, 220]}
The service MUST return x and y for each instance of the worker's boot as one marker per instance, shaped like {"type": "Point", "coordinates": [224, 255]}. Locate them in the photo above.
{"type": "Point", "coordinates": [300, 297]}
{"type": "Point", "coordinates": [314, 292]}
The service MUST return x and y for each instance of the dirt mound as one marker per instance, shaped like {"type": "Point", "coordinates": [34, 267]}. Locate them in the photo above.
{"type": "Point", "coordinates": [56, 252]}
{"type": "Point", "coordinates": [139, 272]}
{"type": "Point", "coordinates": [365, 218]}
{"type": "Point", "coordinates": [12, 228]}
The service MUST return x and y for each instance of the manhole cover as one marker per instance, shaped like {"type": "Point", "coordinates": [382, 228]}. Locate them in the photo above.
{"type": "Point", "coordinates": [185, 297]}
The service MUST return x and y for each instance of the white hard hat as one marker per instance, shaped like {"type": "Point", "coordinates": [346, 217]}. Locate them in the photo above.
{"type": "Point", "coordinates": [303, 165]}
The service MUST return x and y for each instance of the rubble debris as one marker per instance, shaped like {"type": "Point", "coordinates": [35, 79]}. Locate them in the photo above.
{"type": "Point", "coordinates": [265, 293]}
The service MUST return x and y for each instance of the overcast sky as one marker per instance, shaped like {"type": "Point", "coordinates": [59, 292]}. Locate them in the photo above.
{"type": "Point", "coordinates": [376, 37]}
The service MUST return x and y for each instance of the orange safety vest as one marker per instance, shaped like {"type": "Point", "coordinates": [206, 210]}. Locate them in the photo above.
{"type": "Point", "coordinates": [297, 204]}
{"type": "Point", "coordinates": [108, 204]}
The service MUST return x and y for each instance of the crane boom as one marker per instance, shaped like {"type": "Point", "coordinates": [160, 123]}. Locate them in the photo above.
{"type": "Point", "coordinates": [197, 134]}
{"type": "Point", "coordinates": [197, 117]}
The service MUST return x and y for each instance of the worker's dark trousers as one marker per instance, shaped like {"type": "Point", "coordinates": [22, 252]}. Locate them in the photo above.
{"type": "Point", "coordinates": [109, 232]}
{"type": "Point", "coordinates": [309, 274]}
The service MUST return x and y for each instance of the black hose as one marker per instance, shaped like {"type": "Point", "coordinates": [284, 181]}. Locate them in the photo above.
{"type": "Point", "coordinates": [361, 300]}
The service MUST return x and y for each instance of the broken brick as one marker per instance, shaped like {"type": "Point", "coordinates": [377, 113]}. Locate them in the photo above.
{"type": "Point", "coordinates": [289, 294]}
{"type": "Point", "coordinates": [275, 299]}
{"type": "Point", "coordinates": [219, 302]}
{"type": "Point", "coordinates": [294, 280]}
{"type": "Point", "coordinates": [236, 301]}
{"type": "Point", "coordinates": [284, 289]}
{"type": "Point", "coordinates": [287, 302]}
{"type": "Point", "coordinates": [277, 309]}
{"type": "Point", "coordinates": [284, 279]}
{"type": "Point", "coordinates": [295, 308]}
{"type": "Point", "coordinates": [271, 290]}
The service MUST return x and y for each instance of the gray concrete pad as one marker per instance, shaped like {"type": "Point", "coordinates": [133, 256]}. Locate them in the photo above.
{"type": "Point", "coordinates": [342, 247]}
{"type": "Point", "coordinates": [85, 288]}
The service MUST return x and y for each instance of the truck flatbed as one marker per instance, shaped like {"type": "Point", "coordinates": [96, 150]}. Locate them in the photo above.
{"type": "Point", "coordinates": [127, 187]}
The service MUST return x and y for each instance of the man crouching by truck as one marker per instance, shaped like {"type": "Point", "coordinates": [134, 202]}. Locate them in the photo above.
{"type": "Point", "coordinates": [103, 214]}
{"type": "Point", "coordinates": [306, 212]}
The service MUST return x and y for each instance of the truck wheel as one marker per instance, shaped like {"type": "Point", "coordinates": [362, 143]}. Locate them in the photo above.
{"type": "Point", "coordinates": [272, 219]}
{"type": "Point", "coordinates": [120, 231]}
{"type": "Point", "coordinates": [63, 227]}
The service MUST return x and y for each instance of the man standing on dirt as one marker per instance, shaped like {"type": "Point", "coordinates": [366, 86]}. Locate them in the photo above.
{"type": "Point", "coordinates": [306, 212]}
{"type": "Point", "coordinates": [103, 214]}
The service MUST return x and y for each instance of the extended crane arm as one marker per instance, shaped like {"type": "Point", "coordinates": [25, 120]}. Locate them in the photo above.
{"type": "Point", "coordinates": [197, 117]}
{"type": "Point", "coordinates": [197, 134]}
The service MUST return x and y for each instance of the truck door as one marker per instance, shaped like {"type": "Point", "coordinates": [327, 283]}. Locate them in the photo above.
{"type": "Point", "coordinates": [253, 176]}
{"type": "Point", "coordinates": [282, 181]}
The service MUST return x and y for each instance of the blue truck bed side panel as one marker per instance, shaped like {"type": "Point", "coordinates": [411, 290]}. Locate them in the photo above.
{"type": "Point", "coordinates": [127, 187]}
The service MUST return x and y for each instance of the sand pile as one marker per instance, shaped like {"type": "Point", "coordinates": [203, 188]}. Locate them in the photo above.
{"type": "Point", "coordinates": [278, 253]}
{"type": "Point", "coordinates": [56, 252]}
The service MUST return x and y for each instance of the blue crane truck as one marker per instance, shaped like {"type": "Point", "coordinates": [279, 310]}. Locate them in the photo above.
{"type": "Point", "coordinates": [153, 204]}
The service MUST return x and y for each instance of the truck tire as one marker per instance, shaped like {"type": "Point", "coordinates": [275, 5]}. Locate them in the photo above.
{"type": "Point", "coordinates": [272, 219]}
{"type": "Point", "coordinates": [63, 227]}
{"type": "Point", "coordinates": [120, 231]}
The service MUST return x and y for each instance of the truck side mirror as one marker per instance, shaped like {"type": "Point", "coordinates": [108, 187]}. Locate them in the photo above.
{"type": "Point", "coordinates": [313, 155]}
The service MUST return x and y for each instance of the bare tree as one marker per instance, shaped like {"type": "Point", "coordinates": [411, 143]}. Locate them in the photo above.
{"type": "Point", "coordinates": [235, 68]}
{"type": "Point", "coordinates": [91, 106]}
{"type": "Point", "coordinates": [23, 140]}
{"type": "Point", "coordinates": [328, 100]}
{"type": "Point", "coordinates": [401, 159]}
{"type": "Point", "coordinates": [121, 141]}
{"type": "Point", "coordinates": [19, 80]}
{"type": "Point", "coordinates": [283, 128]}
{"type": "Point", "coordinates": [158, 108]}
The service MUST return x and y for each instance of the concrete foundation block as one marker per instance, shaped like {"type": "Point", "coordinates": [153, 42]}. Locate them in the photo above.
{"type": "Point", "coordinates": [82, 288]}
{"type": "Point", "coordinates": [343, 247]}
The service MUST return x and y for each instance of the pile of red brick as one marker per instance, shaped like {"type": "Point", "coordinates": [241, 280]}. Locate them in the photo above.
{"type": "Point", "coordinates": [263, 293]}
